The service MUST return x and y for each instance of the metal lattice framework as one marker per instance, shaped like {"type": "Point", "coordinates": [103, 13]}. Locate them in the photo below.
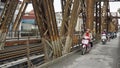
{"type": "Point", "coordinates": [56, 43]}
{"type": "Point", "coordinates": [6, 19]}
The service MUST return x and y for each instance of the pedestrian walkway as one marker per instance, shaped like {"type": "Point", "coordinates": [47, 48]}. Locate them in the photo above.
{"type": "Point", "coordinates": [101, 56]}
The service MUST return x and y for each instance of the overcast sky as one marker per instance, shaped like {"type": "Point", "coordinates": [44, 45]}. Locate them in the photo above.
{"type": "Point", "coordinates": [113, 6]}
{"type": "Point", "coordinates": [56, 3]}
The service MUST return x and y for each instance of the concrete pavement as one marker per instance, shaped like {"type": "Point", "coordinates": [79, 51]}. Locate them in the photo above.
{"type": "Point", "coordinates": [101, 56]}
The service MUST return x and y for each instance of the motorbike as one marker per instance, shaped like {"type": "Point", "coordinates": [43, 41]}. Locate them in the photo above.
{"type": "Point", "coordinates": [115, 35]}
{"type": "Point", "coordinates": [103, 39]}
{"type": "Point", "coordinates": [86, 46]}
{"type": "Point", "coordinates": [112, 35]}
{"type": "Point", "coordinates": [108, 37]}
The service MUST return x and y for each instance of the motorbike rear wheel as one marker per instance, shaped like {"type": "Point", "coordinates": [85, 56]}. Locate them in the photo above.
{"type": "Point", "coordinates": [89, 48]}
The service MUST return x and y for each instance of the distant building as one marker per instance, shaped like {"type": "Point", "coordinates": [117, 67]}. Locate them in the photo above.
{"type": "Point", "coordinates": [28, 21]}
{"type": "Point", "coordinates": [2, 4]}
{"type": "Point", "coordinates": [58, 19]}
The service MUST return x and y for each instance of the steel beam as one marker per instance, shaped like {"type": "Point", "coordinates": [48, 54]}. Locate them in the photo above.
{"type": "Point", "coordinates": [6, 19]}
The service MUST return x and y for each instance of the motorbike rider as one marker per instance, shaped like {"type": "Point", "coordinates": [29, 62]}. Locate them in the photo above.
{"type": "Point", "coordinates": [108, 36]}
{"type": "Point", "coordinates": [104, 34]}
{"type": "Point", "coordinates": [88, 35]}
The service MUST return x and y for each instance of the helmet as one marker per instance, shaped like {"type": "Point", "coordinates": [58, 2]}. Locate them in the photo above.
{"type": "Point", "coordinates": [104, 30]}
{"type": "Point", "coordinates": [88, 30]}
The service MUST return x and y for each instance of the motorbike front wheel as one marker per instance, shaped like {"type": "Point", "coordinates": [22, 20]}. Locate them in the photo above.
{"type": "Point", "coordinates": [103, 42]}
{"type": "Point", "coordinates": [83, 50]}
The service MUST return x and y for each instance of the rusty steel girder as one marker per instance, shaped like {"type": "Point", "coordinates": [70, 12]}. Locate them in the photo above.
{"type": "Point", "coordinates": [98, 17]}
{"type": "Point", "coordinates": [66, 10]}
{"type": "Point", "coordinates": [6, 19]}
{"type": "Point", "coordinates": [105, 16]}
{"type": "Point", "coordinates": [19, 16]}
{"type": "Point", "coordinates": [46, 20]}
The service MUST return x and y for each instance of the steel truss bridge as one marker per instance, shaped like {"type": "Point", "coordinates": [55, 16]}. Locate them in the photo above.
{"type": "Point", "coordinates": [94, 15]}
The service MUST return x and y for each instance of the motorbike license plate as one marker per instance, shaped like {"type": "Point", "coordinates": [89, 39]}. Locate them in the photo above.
{"type": "Point", "coordinates": [84, 46]}
{"type": "Point", "coordinates": [103, 40]}
{"type": "Point", "coordinates": [85, 41]}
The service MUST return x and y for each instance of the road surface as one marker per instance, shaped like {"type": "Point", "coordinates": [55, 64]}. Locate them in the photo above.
{"type": "Point", "coordinates": [101, 56]}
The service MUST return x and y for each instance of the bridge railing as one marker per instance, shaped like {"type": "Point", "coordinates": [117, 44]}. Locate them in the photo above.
{"type": "Point", "coordinates": [22, 34]}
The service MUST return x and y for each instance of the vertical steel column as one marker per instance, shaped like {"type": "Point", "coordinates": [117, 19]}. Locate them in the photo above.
{"type": "Point", "coordinates": [40, 19]}
{"type": "Point", "coordinates": [98, 17]}
{"type": "Point", "coordinates": [66, 10]}
{"type": "Point", "coordinates": [117, 22]}
{"type": "Point", "coordinates": [63, 3]}
{"type": "Point", "coordinates": [19, 16]}
{"type": "Point", "coordinates": [6, 20]}
{"type": "Point", "coordinates": [107, 15]}
{"type": "Point", "coordinates": [71, 27]}
{"type": "Point", "coordinates": [84, 7]}
{"type": "Point", "coordinates": [90, 14]}
{"type": "Point", "coordinates": [46, 20]}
